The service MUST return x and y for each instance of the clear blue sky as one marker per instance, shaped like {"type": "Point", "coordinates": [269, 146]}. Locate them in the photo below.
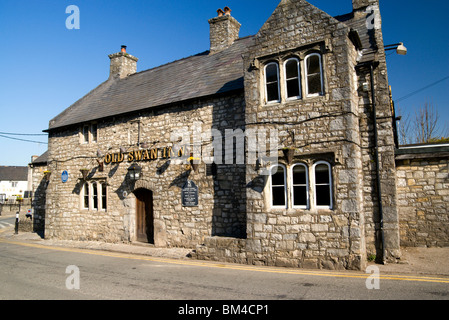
{"type": "Point", "coordinates": [46, 67]}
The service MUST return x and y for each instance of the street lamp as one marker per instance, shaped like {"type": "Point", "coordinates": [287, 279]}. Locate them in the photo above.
{"type": "Point", "coordinates": [135, 172]}
{"type": "Point", "coordinates": [399, 47]}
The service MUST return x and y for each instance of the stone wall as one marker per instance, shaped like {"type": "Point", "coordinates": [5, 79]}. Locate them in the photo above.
{"type": "Point", "coordinates": [423, 196]}
{"type": "Point", "coordinates": [324, 127]}
{"type": "Point", "coordinates": [221, 209]}
{"type": "Point", "coordinates": [39, 187]}
{"type": "Point", "coordinates": [336, 127]}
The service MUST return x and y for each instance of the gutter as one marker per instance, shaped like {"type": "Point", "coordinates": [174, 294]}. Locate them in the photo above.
{"type": "Point", "coordinates": [376, 149]}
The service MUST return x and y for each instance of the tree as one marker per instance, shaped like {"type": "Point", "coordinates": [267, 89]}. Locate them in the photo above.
{"type": "Point", "coordinates": [424, 127]}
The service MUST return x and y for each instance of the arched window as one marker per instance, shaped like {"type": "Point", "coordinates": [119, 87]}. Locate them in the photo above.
{"type": "Point", "coordinates": [300, 185]}
{"type": "Point", "coordinates": [314, 75]}
{"type": "Point", "coordinates": [272, 82]}
{"type": "Point", "coordinates": [278, 186]}
{"type": "Point", "coordinates": [322, 185]}
{"type": "Point", "coordinates": [86, 196]}
{"type": "Point", "coordinates": [292, 79]}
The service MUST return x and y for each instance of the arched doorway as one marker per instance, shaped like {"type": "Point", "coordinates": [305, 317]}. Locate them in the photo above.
{"type": "Point", "coordinates": [144, 215]}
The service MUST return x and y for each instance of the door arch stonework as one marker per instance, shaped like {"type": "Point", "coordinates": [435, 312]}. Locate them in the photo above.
{"type": "Point", "coordinates": [159, 228]}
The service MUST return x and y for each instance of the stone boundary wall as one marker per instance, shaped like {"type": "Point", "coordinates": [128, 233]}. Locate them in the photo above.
{"type": "Point", "coordinates": [423, 196]}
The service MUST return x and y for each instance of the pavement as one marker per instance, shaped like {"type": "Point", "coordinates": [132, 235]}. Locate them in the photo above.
{"type": "Point", "coordinates": [414, 260]}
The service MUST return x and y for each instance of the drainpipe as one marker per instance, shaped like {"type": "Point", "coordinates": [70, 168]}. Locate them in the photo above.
{"type": "Point", "coordinates": [376, 149]}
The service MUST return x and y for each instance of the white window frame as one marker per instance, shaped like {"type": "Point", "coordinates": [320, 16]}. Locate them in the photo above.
{"type": "Point", "coordinates": [285, 187]}
{"type": "Point", "coordinates": [307, 75]}
{"type": "Point", "coordinates": [94, 137]}
{"type": "Point", "coordinates": [286, 79]}
{"type": "Point", "coordinates": [91, 195]}
{"type": "Point", "coordinates": [87, 131]}
{"type": "Point", "coordinates": [105, 195]}
{"type": "Point", "coordinates": [292, 193]}
{"type": "Point", "coordinates": [83, 196]}
{"type": "Point", "coordinates": [331, 205]}
{"type": "Point", "coordinates": [266, 84]}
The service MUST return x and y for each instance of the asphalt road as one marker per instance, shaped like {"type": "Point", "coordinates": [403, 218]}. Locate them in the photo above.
{"type": "Point", "coordinates": [6, 222]}
{"type": "Point", "coordinates": [31, 271]}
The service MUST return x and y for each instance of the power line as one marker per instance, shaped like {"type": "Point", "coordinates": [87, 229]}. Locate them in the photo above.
{"type": "Point", "coordinates": [25, 140]}
{"type": "Point", "coordinates": [24, 134]}
{"type": "Point", "coordinates": [422, 89]}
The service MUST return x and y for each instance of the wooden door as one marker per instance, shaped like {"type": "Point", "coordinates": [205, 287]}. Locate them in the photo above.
{"type": "Point", "coordinates": [144, 215]}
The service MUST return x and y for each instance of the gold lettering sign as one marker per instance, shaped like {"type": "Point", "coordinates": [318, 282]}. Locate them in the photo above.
{"type": "Point", "coordinates": [144, 155]}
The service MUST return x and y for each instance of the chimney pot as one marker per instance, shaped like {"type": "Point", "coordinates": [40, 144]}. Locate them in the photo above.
{"type": "Point", "coordinates": [123, 49]}
{"type": "Point", "coordinates": [224, 30]}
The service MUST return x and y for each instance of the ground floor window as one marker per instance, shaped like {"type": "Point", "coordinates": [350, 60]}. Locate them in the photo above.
{"type": "Point", "coordinates": [278, 186]}
{"type": "Point", "coordinates": [294, 187]}
{"type": "Point", "coordinates": [94, 196]}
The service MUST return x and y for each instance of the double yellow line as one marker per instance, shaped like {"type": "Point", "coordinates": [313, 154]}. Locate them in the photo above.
{"type": "Point", "coordinates": [209, 264]}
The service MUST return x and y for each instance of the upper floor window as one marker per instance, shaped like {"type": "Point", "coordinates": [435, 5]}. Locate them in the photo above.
{"type": "Point", "coordinates": [89, 133]}
{"type": "Point", "coordinates": [86, 134]}
{"type": "Point", "coordinates": [94, 132]}
{"type": "Point", "coordinates": [292, 79]}
{"type": "Point", "coordinates": [314, 75]}
{"type": "Point", "coordinates": [272, 82]}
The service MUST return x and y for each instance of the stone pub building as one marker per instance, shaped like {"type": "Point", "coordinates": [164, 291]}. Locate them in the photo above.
{"type": "Point", "coordinates": [121, 170]}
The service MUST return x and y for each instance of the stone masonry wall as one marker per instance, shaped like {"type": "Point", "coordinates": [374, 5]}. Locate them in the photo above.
{"type": "Point", "coordinates": [324, 128]}
{"type": "Point", "coordinates": [221, 196]}
{"type": "Point", "coordinates": [423, 197]}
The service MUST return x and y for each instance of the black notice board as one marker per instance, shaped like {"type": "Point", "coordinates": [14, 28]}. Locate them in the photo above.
{"type": "Point", "coordinates": [189, 194]}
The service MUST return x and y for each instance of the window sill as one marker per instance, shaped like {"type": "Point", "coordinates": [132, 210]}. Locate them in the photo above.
{"type": "Point", "coordinates": [312, 98]}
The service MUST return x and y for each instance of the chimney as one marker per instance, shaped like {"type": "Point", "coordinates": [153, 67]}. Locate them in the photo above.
{"type": "Point", "coordinates": [359, 6]}
{"type": "Point", "coordinates": [122, 64]}
{"type": "Point", "coordinates": [224, 30]}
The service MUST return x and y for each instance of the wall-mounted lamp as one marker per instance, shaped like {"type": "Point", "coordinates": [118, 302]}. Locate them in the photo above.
{"type": "Point", "coordinates": [194, 162]}
{"type": "Point", "coordinates": [84, 172]}
{"type": "Point", "coordinates": [135, 172]}
{"type": "Point", "coordinates": [399, 47]}
{"type": "Point", "coordinates": [47, 175]}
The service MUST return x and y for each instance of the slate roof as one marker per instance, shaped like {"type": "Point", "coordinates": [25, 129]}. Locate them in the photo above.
{"type": "Point", "coordinates": [193, 77]}
{"type": "Point", "coordinates": [197, 76]}
{"type": "Point", "coordinates": [42, 159]}
{"type": "Point", "coordinates": [13, 173]}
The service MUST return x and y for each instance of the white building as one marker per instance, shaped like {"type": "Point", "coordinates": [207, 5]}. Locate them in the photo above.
{"type": "Point", "coordinates": [13, 182]}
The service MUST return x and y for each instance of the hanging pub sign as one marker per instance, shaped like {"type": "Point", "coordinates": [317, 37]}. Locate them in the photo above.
{"type": "Point", "coordinates": [189, 194]}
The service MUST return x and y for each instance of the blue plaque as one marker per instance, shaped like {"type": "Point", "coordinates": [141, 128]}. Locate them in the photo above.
{"type": "Point", "coordinates": [64, 176]}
